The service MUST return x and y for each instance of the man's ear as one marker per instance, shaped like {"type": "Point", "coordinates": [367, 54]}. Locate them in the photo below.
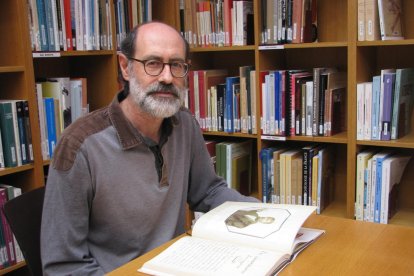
{"type": "Point", "coordinates": [123, 64]}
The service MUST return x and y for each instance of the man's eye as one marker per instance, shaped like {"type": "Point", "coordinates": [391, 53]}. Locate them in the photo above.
{"type": "Point", "coordinates": [153, 63]}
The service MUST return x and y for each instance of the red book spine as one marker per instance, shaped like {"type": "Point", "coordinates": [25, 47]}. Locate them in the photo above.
{"type": "Point", "coordinates": [7, 233]}
{"type": "Point", "coordinates": [68, 25]}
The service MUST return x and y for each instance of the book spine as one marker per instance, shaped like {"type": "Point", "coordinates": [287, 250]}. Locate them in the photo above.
{"type": "Point", "coordinates": [361, 20]}
{"type": "Point", "coordinates": [265, 177]}
{"type": "Point", "coordinates": [22, 131]}
{"type": "Point", "coordinates": [389, 80]}
{"type": "Point", "coordinates": [43, 27]}
{"type": "Point", "coordinates": [50, 123]}
{"type": "Point", "coordinates": [7, 132]}
{"type": "Point", "coordinates": [68, 24]}
{"type": "Point", "coordinates": [28, 130]}
{"type": "Point", "coordinates": [8, 236]}
{"type": "Point", "coordinates": [16, 133]}
{"type": "Point", "coordinates": [306, 174]}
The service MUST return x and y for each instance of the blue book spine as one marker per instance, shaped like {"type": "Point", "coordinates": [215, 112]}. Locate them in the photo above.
{"type": "Point", "coordinates": [378, 188]}
{"type": "Point", "coordinates": [266, 156]}
{"type": "Point", "coordinates": [50, 121]}
{"type": "Point", "coordinates": [376, 87]}
{"type": "Point", "coordinates": [43, 28]}
{"type": "Point", "coordinates": [229, 102]}
{"type": "Point", "coordinates": [389, 80]}
{"type": "Point", "coordinates": [49, 24]}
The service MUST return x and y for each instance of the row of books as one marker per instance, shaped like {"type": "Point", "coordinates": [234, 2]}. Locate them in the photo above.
{"type": "Point", "coordinates": [16, 140]}
{"type": "Point", "coordinates": [10, 252]}
{"type": "Point", "coordinates": [303, 102]}
{"type": "Point", "coordinates": [217, 23]}
{"type": "Point", "coordinates": [221, 102]}
{"type": "Point", "coordinates": [233, 162]}
{"type": "Point", "coordinates": [65, 25]}
{"type": "Point", "coordinates": [289, 21]}
{"type": "Point", "coordinates": [379, 175]}
{"type": "Point", "coordinates": [60, 102]}
{"type": "Point", "coordinates": [380, 19]}
{"type": "Point", "coordinates": [385, 104]}
{"type": "Point", "coordinates": [300, 176]}
{"type": "Point", "coordinates": [128, 14]}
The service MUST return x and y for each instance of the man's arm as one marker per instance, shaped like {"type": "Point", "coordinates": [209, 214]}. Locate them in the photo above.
{"type": "Point", "coordinates": [65, 221]}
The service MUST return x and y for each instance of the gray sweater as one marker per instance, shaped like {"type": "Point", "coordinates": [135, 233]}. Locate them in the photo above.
{"type": "Point", "coordinates": [112, 196]}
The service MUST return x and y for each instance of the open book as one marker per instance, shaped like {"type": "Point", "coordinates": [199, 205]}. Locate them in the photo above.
{"type": "Point", "coordinates": [238, 238]}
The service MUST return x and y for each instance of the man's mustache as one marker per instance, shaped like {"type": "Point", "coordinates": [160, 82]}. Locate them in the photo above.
{"type": "Point", "coordinates": [164, 89]}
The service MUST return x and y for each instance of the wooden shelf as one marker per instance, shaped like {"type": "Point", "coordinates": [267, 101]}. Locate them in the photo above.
{"type": "Point", "coordinates": [12, 268]}
{"type": "Point", "coordinates": [7, 171]}
{"type": "Point", "coordinates": [11, 69]}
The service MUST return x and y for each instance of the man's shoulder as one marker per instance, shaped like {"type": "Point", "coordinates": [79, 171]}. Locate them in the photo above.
{"type": "Point", "coordinates": [185, 116]}
{"type": "Point", "coordinates": [75, 134]}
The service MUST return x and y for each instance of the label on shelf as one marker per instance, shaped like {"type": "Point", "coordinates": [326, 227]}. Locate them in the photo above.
{"type": "Point", "coordinates": [46, 54]}
{"type": "Point", "coordinates": [272, 47]}
{"type": "Point", "coordinates": [275, 138]}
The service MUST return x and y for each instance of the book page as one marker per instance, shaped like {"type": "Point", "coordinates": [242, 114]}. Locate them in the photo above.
{"type": "Point", "coordinates": [194, 256]}
{"type": "Point", "coordinates": [265, 226]}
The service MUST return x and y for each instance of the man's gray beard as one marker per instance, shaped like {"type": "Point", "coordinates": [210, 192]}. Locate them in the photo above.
{"type": "Point", "coordinates": [158, 107]}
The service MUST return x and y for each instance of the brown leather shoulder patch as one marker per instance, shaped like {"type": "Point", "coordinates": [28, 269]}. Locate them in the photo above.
{"type": "Point", "coordinates": [74, 136]}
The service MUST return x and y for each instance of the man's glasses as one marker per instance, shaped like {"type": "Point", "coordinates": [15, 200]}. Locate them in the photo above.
{"type": "Point", "coordinates": [154, 67]}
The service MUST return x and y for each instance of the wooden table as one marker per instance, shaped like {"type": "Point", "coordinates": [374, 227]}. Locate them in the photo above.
{"type": "Point", "coordinates": [347, 248]}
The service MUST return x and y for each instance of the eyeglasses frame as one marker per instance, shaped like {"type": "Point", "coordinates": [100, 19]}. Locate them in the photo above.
{"type": "Point", "coordinates": [144, 61]}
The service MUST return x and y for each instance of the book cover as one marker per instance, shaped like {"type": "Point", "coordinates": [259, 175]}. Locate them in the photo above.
{"type": "Point", "coordinates": [362, 164]}
{"type": "Point", "coordinates": [7, 233]}
{"type": "Point", "coordinates": [49, 108]}
{"type": "Point", "coordinates": [43, 25]}
{"type": "Point", "coordinates": [221, 102]}
{"type": "Point", "coordinates": [42, 122]}
{"type": "Point", "coordinates": [367, 128]}
{"type": "Point", "coordinates": [253, 105]}
{"type": "Point", "coordinates": [229, 100]}
{"type": "Point", "coordinates": [266, 156]}
{"type": "Point", "coordinates": [337, 113]}
{"type": "Point", "coordinates": [297, 6]}
{"type": "Point", "coordinates": [310, 32]}
{"type": "Point", "coordinates": [388, 83]}
{"type": "Point", "coordinates": [276, 196]}
{"type": "Point", "coordinates": [234, 151]}
{"type": "Point", "coordinates": [28, 130]}
{"type": "Point", "coordinates": [379, 159]}
{"type": "Point", "coordinates": [325, 173]}
{"type": "Point", "coordinates": [21, 131]}
{"type": "Point", "coordinates": [309, 108]}
{"type": "Point", "coordinates": [308, 153]}
{"type": "Point", "coordinates": [60, 89]}
{"type": "Point", "coordinates": [361, 20]}
{"type": "Point", "coordinates": [392, 171]}
{"type": "Point", "coordinates": [13, 192]}
{"type": "Point", "coordinates": [372, 31]}
{"type": "Point", "coordinates": [288, 186]}
{"type": "Point", "coordinates": [390, 18]}
{"type": "Point", "coordinates": [265, 237]}
{"type": "Point", "coordinates": [7, 134]}
{"type": "Point", "coordinates": [375, 107]}
{"type": "Point", "coordinates": [402, 102]}
{"type": "Point", "coordinates": [360, 111]}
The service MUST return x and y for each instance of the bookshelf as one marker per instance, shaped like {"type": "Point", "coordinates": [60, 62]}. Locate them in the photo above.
{"type": "Point", "coordinates": [337, 46]}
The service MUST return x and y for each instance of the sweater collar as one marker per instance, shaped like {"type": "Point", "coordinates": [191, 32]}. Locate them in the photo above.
{"type": "Point", "coordinates": [128, 135]}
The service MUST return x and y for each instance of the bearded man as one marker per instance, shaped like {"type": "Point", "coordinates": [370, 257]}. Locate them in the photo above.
{"type": "Point", "coordinates": [121, 176]}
